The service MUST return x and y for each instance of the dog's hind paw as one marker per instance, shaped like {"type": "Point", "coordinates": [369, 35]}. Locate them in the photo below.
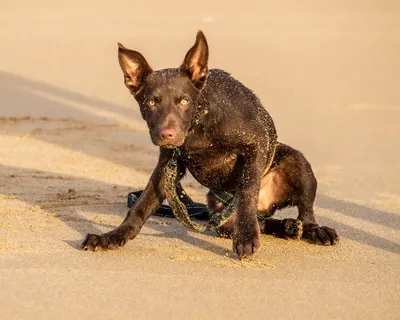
{"type": "Point", "coordinates": [292, 228]}
{"type": "Point", "coordinates": [320, 235]}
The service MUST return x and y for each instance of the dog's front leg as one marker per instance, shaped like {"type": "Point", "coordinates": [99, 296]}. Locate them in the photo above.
{"type": "Point", "coordinates": [149, 201]}
{"type": "Point", "coordinates": [246, 235]}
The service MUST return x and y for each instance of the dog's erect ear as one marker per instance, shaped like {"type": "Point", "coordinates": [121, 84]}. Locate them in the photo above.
{"type": "Point", "coordinates": [195, 65]}
{"type": "Point", "coordinates": [134, 66]}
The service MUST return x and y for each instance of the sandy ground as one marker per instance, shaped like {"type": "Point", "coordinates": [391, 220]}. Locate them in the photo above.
{"type": "Point", "coordinates": [72, 145]}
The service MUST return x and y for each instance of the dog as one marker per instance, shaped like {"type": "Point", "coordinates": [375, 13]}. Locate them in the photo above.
{"type": "Point", "coordinates": [227, 141]}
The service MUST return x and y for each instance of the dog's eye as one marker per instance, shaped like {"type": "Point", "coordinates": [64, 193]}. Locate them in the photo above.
{"type": "Point", "coordinates": [184, 102]}
{"type": "Point", "coordinates": [151, 103]}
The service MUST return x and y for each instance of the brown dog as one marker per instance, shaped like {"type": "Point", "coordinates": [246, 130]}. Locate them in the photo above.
{"type": "Point", "coordinates": [226, 140]}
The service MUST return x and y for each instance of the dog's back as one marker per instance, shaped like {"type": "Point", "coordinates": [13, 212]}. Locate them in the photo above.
{"type": "Point", "coordinates": [235, 105]}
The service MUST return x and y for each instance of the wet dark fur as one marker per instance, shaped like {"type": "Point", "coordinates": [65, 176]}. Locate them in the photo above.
{"type": "Point", "coordinates": [226, 138]}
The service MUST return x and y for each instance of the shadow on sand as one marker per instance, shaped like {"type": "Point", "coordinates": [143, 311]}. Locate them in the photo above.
{"type": "Point", "coordinates": [76, 221]}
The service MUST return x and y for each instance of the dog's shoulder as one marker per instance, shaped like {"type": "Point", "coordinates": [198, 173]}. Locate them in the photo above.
{"type": "Point", "coordinates": [219, 77]}
{"type": "Point", "coordinates": [222, 87]}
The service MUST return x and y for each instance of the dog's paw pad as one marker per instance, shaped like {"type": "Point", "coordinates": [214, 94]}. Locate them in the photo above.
{"type": "Point", "coordinates": [293, 229]}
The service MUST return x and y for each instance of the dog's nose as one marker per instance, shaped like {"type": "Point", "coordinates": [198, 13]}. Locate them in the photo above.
{"type": "Point", "coordinates": [167, 133]}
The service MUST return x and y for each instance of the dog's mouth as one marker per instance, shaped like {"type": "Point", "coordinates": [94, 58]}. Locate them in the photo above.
{"type": "Point", "coordinates": [170, 146]}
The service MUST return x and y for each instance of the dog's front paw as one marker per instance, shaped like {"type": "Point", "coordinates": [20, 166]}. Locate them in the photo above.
{"type": "Point", "coordinates": [108, 241]}
{"type": "Point", "coordinates": [292, 228]}
{"type": "Point", "coordinates": [323, 235]}
{"type": "Point", "coordinates": [246, 239]}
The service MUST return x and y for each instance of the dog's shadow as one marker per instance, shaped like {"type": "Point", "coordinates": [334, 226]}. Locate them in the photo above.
{"type": "Point", "coordinates": [164, 231]}
{"type": "Point", "coordinates": [354, 210]}
{"type": "Point", "coordinates": [159, 225]}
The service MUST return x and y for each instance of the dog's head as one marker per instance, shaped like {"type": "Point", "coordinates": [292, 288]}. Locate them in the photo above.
{"type": "Point", "coordinates": [168, 99]}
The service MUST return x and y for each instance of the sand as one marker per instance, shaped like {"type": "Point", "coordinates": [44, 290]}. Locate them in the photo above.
{"type": "Point", "coordinates": [72, 145]}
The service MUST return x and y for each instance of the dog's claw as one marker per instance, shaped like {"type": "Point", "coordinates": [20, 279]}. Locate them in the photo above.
{"type": "Point", "coordinates": [94, 242]}
{"type": "Point", "coordinates": [246, 241]}
{"type": "Point", "coordinates": [322, 235]}
{"type": "Point", "coordinates": [244, 250]}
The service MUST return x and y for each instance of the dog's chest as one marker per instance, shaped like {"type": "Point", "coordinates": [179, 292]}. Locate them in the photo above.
{"type": "Point", "coordinates": [210, 167]}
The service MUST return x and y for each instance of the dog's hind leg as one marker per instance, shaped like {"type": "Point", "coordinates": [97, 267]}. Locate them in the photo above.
{"type": "Point", "coordinates": [300, 177]}
{"type": "Point", "coordinates": [311, 230]}
{"type": "Point", "coordinates": [290, 182]}
{"type": "Point", "coordinates": [275, 194]}
{"type": "Point", "coordinates": [286, 228]}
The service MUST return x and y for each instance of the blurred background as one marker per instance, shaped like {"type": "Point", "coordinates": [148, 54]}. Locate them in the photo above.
{"type": "Point", "coordinates": [327, 71]}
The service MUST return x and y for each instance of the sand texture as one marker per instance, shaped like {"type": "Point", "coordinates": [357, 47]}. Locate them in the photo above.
{"type": "Point", "coordinates": [73, 144]}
